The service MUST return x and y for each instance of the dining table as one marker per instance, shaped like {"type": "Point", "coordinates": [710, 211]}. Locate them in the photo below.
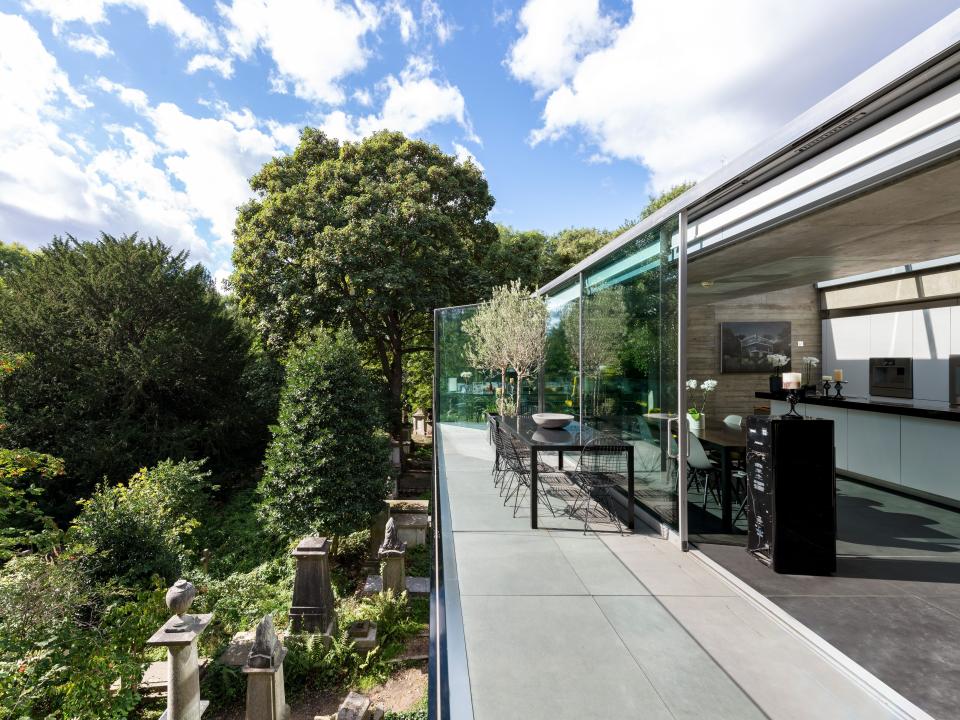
{"type": "Point", "coordinates": [571, 438]}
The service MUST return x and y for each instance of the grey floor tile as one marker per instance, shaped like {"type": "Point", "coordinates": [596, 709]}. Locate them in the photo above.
{"type": "Point", "coordinates": [780, 673]}
{"type": "Point", "coordinates": [687, 679]}
{"type": "Point", "coordinates": [597, 567]}
{"type": "Point", "coordinates": [513, 564]}
{"type": "Point", "coordinates": [909, 643]}
{"type": "Point", "coordinates": [551, 658]}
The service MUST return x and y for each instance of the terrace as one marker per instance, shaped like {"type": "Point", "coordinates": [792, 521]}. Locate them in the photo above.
{"type": "Point", "coordinates": [835, 241]}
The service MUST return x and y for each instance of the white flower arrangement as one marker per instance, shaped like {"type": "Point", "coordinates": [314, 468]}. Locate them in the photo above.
{"type": "Point", "coordinates": [810, 360]}
{"type": "Point", "coordinates": [706, 387]}
{"type": "Point", "coordinates": [778, 361]}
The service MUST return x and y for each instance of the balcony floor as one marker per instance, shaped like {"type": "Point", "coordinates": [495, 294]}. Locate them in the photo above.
{"type": "Point", "coordinates": [557, 624]}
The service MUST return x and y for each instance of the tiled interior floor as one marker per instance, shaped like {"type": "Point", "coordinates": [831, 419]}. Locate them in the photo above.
{"type": "Point", "coordinates": [894, 603]}
{"type": "Point", "coordinates": [561, 624]}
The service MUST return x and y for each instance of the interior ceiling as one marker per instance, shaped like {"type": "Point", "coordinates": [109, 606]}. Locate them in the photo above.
{"type": "Point", "coordinates": [909, 221]}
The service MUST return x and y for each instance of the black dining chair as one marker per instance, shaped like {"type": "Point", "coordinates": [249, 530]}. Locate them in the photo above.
{"type": "Point", "coordinates": [600, 469]}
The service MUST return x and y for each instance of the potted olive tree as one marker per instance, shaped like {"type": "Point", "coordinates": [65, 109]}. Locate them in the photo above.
{"type": "Point", "coordinates": [508, 332]}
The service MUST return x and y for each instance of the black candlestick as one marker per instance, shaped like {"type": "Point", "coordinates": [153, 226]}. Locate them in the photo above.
{"type": "Point", "coordinates": [793, 398]}
{"type": "Point", "coordinates": [838, 386]}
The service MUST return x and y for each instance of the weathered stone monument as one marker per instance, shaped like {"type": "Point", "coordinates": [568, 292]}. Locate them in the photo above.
{"type": "Point", "coordinates": [393, 573]}
{"type": "Point", "coordinates": [312, 609]}
{"type": "Point", "coordinates": [264, 670]}
{"type": "Point", "coordinates": [392, 557]}
{"type": "Point", "coordinates": [378, 528]}
{"type": "Point", "coordinates": [179, 635]}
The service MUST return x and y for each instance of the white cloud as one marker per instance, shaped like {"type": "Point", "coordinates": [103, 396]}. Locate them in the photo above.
{"type": "Point", "coordinates": [363, 97]}
{"type": "Point", "coordinates": [556, 34]}
{"type": "Point", "coordinates": [463, 155]}
{"type": "Point", "coordinates": [681, 109]}
{"type": "Point", "coordinates": [313, 43]}
{"type": "Point", "coordinates": [221, 66]}
{"type": "Point", "coordinates": [412, 102]}
{"type": "Point", "coordinates": [433, 17]}
{"type": "Point", "coordinates": [93, 44]}
{"type": "Point", "coordinates": [212, 157]}
{"type": "Point", "coordinates": [188, 28]}
{"type": "Point", "coordinates": [404, 15]}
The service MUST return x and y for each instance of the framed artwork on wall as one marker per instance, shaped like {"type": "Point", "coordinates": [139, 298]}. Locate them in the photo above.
{"type": "Point", "coordinates": [745, 347]}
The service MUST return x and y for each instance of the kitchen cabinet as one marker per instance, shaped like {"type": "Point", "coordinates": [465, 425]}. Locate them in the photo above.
{"type": "Point", "coordinates": [929, 452]}
{"type": "Point", "coordinates": [873, 445]}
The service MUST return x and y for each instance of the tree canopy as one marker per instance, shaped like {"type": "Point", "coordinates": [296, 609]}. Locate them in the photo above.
{"type": "Point", "coordinates": [130, 357]}
{"type": "Point", "coordinates": [371, 235]}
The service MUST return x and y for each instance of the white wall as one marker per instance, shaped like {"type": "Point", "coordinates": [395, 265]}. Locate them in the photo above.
{"type": "Point", "coordinates": [928, 336]}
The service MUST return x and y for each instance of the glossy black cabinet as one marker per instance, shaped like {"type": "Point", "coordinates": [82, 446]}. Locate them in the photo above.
{"type": "Point", "coordinates": [791, 494]}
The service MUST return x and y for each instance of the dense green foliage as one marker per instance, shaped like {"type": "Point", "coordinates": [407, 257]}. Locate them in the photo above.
{"type": "Point", "coordinates": [370, 235]}
{"type": "Point", "coordinates": [136, 531]}
{"type": "Point", "coordinates": [326, 467]}
{"type": "Point", "coordinates": [13, 258]}
{"type": "Point", "coordinates": [132, 358]}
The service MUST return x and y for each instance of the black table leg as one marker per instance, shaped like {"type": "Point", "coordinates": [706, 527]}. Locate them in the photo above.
{"type": "Point", "coordinates": [560, 459]}
{"type": "Point", "coordinates": [630, 487]}
{"type": "Point", "coordinates": [726, 490]}
{"type": "Point", "coordinates": [533, 488]}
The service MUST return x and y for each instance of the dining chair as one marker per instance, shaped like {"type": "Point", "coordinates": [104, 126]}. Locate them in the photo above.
{"type": "Point", "coordinates": [701, 467]}
{"type": "Point", "coordinates": [600, 469]}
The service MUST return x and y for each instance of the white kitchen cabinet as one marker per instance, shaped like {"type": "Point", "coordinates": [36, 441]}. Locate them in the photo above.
{"type": "Point", "coordinates": [931, 350]}
{"type": "Point", "coordinates": [955, 330]}
{"type": "Point", "coordinates": [930, 456]}
{"type": "Point", "coordinates": [846, 345]}
{"type": "Point", "coordinates": [873, 444]}
{"type": "Point", "coordinates": [891, 334]}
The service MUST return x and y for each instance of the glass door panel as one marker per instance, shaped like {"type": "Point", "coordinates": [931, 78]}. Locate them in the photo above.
{"type": "Point", "coordinates": [629, 359]}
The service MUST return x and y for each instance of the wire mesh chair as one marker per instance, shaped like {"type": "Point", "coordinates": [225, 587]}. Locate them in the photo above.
{"type": "Point", "coordinates": [518, 466]}
{"type": "Point", "coordinates": [600, 469]}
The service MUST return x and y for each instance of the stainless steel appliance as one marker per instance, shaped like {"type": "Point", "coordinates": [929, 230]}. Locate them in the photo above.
{"type": "Point", "coordinates": [891, 377]}
{"type": "Point", "coordinates": [955, 379]}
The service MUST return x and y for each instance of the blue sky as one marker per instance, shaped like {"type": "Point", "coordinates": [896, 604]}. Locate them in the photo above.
{"type": "Point", "coordinates": [149, 115]}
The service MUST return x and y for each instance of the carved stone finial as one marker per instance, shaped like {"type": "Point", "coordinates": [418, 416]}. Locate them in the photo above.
{"type": "Point", "coordinates": [392, 544]}
{"type": "Point", "coordinates": [180, 596]}
{"type": "Point", "coordinates": [266, 645]}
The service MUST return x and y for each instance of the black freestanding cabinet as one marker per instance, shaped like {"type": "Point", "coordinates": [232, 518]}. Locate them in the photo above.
{"type": "Point", "coordinates": [791, 494]}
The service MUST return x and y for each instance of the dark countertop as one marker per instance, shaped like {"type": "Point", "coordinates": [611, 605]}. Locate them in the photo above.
{"type": "Point", "coordinates": [892, 406]}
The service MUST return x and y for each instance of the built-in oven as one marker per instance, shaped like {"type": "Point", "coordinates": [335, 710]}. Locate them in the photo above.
{"type": "Point", "coordinates": [955, 379]}
{"type": "Point", "coordinates": [891, 377]}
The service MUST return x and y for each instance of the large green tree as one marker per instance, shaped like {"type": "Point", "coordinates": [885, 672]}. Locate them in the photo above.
{"type": "Point", "coordinates": [327, 465]}
{"type": "Point", "coordinates": [371, 235]}
{"type": "Point", "coordinates": [130, 357]}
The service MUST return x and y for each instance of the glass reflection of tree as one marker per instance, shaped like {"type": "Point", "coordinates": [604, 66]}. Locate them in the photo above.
{"type": "Point", "coordinates": [561, 367]}
{"type": "Point", "coordinates": [604, 328]}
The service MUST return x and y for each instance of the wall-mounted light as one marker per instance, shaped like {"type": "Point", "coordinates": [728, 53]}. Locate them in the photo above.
{"type": "Point", "coordinates": [707, 283]}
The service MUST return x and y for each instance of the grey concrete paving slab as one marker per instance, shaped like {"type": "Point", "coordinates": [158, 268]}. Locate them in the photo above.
{"type": "Point", "coordinates": [688, 680]}
{"type": "Point", "coordinates": [552, 658]}
{"type": "Point", "coordinates": [514, 564]}
{"type": "Point", "coordinates": [598, 569]}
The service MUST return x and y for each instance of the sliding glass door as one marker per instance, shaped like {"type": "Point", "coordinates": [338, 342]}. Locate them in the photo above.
{"type": "Point", "coordinates": [629, 360]}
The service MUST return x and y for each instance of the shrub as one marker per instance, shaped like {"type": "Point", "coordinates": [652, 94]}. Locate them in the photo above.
{"type": "Point", "coordinates": [23, 476]}
{"type": "Point", "coordinates": [64, 642]}
{"type": "Point", "coordinates": [132, 357]}
{"type": "Point", "coordinates": [135, 531]}
{"type": "Point", "coordinates": [326, 466]}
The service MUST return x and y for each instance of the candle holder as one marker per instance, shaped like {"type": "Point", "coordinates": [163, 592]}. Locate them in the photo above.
{"type": "Point", "coordinates": [826, 388]}
{"type": "Point", "coordinates": [793, 398]}
{"type": "Point", "coordinates": [838, 386]}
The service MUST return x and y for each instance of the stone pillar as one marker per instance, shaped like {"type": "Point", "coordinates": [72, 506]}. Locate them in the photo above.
{"type": "Point", "coordinates": [392, 552]}
{"type": "Point", "coordinates": [312, 608]}
{"type": "Point", "coordinates": [266, 699]}
{"type": "Point", "coordinates": [377, 531]}
{"type": "Point", "coordinates": [179, 635]}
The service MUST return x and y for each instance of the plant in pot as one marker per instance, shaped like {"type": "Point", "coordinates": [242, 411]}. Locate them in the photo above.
{"type": "Point", "coordinates": [696, 414]}
{"type": "Point", "coordinates": [780, 364]}
{"type": "Point", "coordinates": [810, 373]}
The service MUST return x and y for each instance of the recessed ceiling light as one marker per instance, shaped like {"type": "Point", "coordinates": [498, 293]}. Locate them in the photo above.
{"type": "Point", "coordinates": [707, 283]}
